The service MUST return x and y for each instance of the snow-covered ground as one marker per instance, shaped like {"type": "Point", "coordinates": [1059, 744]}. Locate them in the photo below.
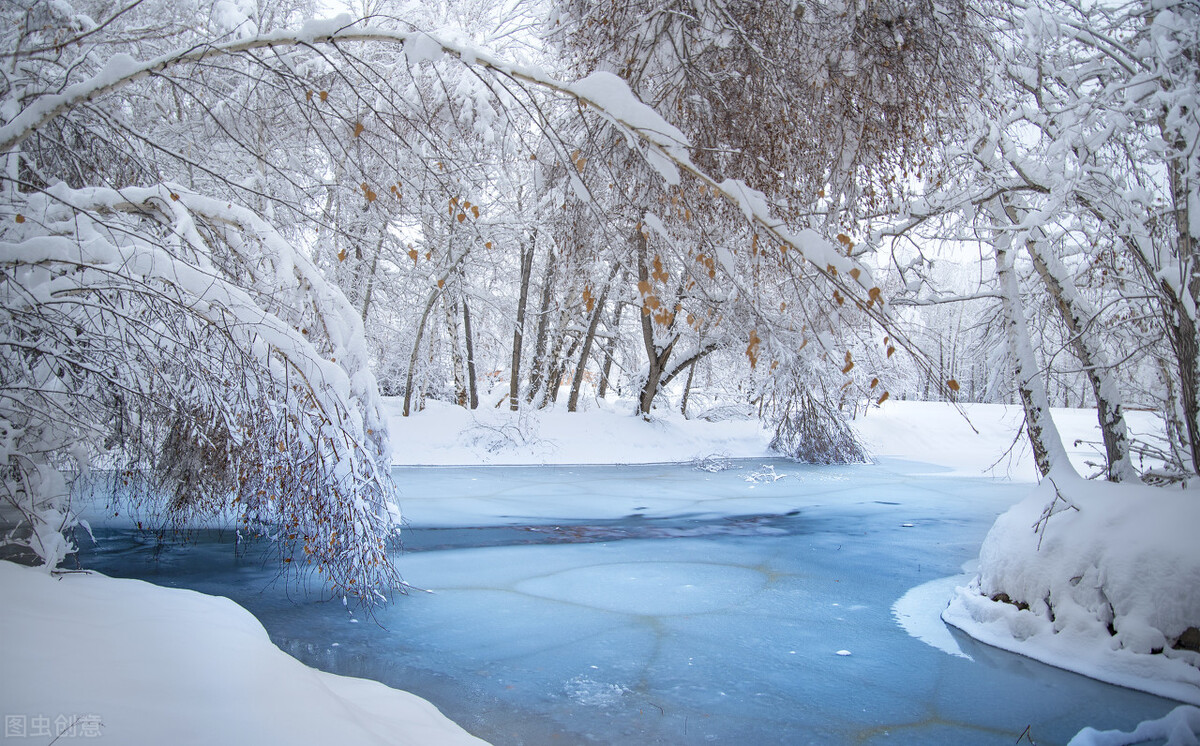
{"type": "Point", "coordinates": [159, 665]}
{"type": "Point", "coordinates": [976, 444]}
{"type": "Point", "coordinates": [87, 656]}
{"type": "Point", "coordinates": [445, 435]}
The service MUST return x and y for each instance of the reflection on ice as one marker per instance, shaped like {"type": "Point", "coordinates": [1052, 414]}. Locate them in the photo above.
{"type": "Point", "coordinates": [663, 604]}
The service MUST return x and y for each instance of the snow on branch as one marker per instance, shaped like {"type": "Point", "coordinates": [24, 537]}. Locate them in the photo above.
{"type": "Point", "coordinates": [157, 332]}
{"type": "Point", "coordinates": [666, 147]}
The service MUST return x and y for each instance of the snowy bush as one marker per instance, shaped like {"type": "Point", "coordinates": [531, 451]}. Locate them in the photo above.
{"type": "Point", "coordinates": [813, 432]}
{"type": "Point", "coordinates": [156, 332]}
{"type": "Point", "coordinates": [1094, 566]}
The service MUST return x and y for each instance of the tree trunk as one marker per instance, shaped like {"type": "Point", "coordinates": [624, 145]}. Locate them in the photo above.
{"type": "Point", "coordinates": [416, 353]}
{"type": "Point", "coordinates": [1183, 324]}
{"type": "Point", "coordinates": [416, 350]}
{"type": "Point", "coordinates": [687, 390]}
{"type": "Point", "coordinates": [556, 366]}
{"type": "Point", "coordinates": [1177, 319]}
{"type": "Point", "coordinates": [1048, 450]}
{"type": "Point", "coordinates": [514, 380]}
{"type": "Point", "coordinates": [1077, 317]}
{"type": "Point", "coordinates": [589, 337]}
{"type": "Point", "coordinates": [656, 356]}
{"type": "Point", "coordinates": [537, 375]}
{"type": "Point", "coordinates": [370, 289]}
{"type": "Point", "coordinates": [456, 355]}
{"type": "Point", "coordinates": [653, 380]}
{"type": "Point", "coordinates": [472, 382]}
{"type": "Point", "coordinates": [610, 350]}
{"type": "Point", "coordinates": [1187, 354]}
{"type": "Point", "coordinates": [687, 363]}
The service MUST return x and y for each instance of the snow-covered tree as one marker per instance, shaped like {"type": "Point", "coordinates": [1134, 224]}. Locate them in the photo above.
{"type": "Point", "coordinates": [156, 330]}
{"type": "Point", "coordinates": [1083, 169]}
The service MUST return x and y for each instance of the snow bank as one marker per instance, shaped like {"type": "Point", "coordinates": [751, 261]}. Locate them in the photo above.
{"type": "Point", "coordinates": [935, 433]}
{"type": "Point", "coordinates": [1106, 587]}
{"type": "Point", "coordinates": [609, 433]}
{"type": "Point", "coordinates": [1179, 728]}
{"type": "Point", "coordinates": [446, 435]}
{"type": "Point", "coordinates": [86, 655]}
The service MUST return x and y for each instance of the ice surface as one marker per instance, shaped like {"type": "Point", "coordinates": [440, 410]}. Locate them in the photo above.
{"type": "Point", "coordinates": [670, 604]}
{"type": "Point", "coordinates": [919, 612]}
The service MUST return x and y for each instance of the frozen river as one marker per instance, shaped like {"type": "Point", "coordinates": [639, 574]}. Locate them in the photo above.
{"type": "Point", "coordinates": [668, 604]}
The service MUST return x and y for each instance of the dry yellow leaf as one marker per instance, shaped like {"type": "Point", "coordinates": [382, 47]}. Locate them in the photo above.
{"type": "Point", "coordinates": [752, 348]}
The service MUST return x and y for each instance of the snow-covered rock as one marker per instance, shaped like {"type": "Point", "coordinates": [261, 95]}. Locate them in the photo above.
{"type": "Point", "coordinates": [1108, 585]}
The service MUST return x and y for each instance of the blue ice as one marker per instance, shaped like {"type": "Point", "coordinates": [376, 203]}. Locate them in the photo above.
{"type": "Point", "coordinates": [668, 604]}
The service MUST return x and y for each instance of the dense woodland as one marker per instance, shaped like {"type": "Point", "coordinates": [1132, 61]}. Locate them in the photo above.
{"type": "Point", "coordinates": [226, 229]}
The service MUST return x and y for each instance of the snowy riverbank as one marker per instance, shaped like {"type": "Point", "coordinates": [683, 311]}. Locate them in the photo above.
{"type": "Point", "coordinates": [87, 656]}
{"type": "Point", "coordinates": [158, 665]}
{"type": "Point", "coordinates": [929, 432]}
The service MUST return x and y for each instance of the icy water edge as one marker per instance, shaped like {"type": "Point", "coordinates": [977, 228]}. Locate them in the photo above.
{"type": "Point", "coordinates": [668, 604]}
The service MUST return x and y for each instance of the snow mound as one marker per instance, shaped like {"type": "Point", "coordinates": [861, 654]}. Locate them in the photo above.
{"type": "Point", "coordinates": [1107, 586]}
{"type": "Point", "coordinates": [151, 665]}
{"type": "Point", "coordinates": [1179, 727]}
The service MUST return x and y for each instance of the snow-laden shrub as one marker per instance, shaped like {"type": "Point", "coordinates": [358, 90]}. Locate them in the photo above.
{"type": "Point", "coordinates": [812, 432]}
{"type": "Point", "coordinates": [1094, 575]}
{"type": "Point", "coordinates": [183, 343]}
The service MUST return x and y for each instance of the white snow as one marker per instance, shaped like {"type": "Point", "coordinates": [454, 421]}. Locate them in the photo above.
{"type": "Point", "coordinates": [134, 663]}
{"type": "Point", "coordinates": [445, 435]}
{"type": "Point", "coordinates": [1178, 728]}
{"type": "Point", "coordinates": [918, 613]}
{"type": "Point", "coordinates": [934, 433]}
{"type": "Point", "coordinates": [1124, 555]}
{"type": "Point", "coordinates": [931, 433]}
